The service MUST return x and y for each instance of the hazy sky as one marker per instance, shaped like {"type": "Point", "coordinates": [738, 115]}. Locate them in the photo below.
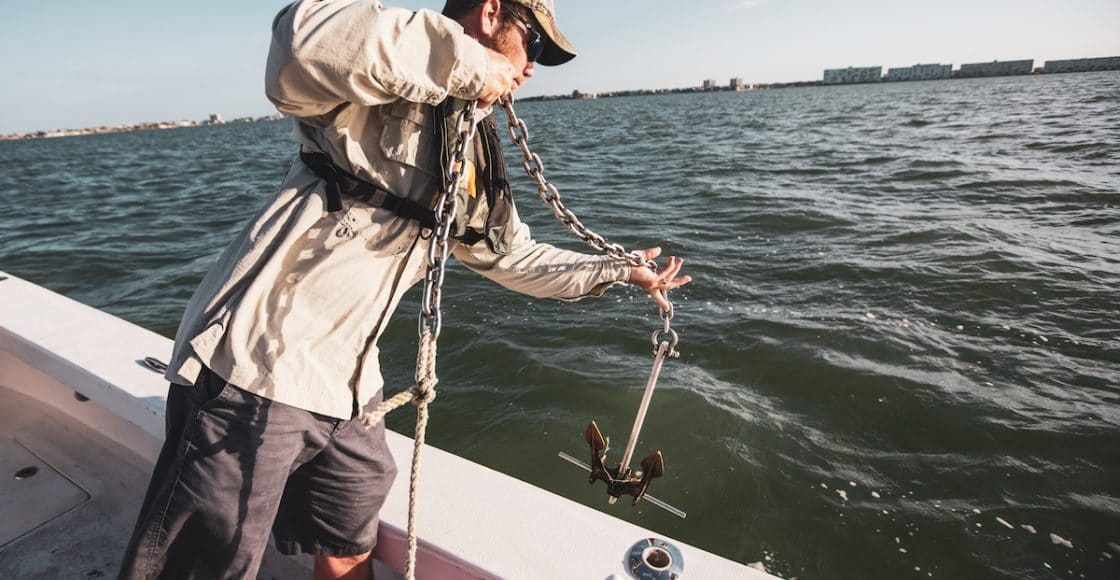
{"type": "Point", "coordinates": [71, 63]}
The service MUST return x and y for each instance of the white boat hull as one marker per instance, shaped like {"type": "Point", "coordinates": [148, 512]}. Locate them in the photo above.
{"type": "Point", "coordinates": [74, 394]}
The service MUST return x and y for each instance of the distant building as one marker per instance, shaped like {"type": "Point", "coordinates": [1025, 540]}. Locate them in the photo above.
{"type": "Point", "coordinates": [920, 72]}
{"type": "Point", "coordinates": [841, 76]}
{"type": "Point", "coordinates": [903, 73]}
{"type": "Point", "coordinates": [711, 85]}
{"type": "Point", "coordinates": [995, 69]}
{"type": "Point", "coordinates": [1082, 65]}
{"type": "Point", "coordinates": [737, 84]}
{"type": "Point", "coordinates": [215, 118]}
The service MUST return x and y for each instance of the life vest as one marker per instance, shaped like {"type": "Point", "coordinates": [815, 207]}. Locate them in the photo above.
{"type": "Point", "coordinates": [490, 175]}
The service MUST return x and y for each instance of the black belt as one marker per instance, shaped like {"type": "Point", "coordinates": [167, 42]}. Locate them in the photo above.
{"type": "Point", "coordinates": [340, 183]}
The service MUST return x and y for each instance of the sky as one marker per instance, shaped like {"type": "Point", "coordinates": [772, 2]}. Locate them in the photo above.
{"type": "Point", "coordinates": [76, 63]}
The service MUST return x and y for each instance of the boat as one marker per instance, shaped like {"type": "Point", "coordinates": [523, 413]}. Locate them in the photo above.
{"type": "Point", "coordinates": [81, 424]}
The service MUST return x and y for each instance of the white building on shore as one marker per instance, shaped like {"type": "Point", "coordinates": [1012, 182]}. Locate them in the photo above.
{"type": "Point", "coordinates": [842, 76]}
{"type": "Point", "coordinates": [996, 68]}
{"type": "Point", "coordinates": [920, 72]}
{"type": "Point", "coordinates": [1082, 64]}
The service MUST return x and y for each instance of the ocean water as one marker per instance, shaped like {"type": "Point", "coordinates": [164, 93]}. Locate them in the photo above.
{"type": "Point", "coordinates": [901, 351]}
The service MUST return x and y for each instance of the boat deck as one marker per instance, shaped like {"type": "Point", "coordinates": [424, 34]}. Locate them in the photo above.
{"type": "Point", "coordinates": [71, 495]}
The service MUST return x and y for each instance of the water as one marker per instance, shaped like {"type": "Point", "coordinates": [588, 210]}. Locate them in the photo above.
{"type": "Point", "coordinates": [901, 350]}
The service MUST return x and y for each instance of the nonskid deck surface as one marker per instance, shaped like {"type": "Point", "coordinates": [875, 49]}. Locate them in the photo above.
{"type": "Point", "coordinates": [69, 497]}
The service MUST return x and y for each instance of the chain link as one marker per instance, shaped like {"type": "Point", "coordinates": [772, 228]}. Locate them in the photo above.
{"type": "Point", "coordinates": [431, 321]}
{"type": "Point", "coordinates": [548, 193]}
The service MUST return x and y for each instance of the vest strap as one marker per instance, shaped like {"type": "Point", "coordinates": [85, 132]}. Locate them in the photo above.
{"type": "Point", "coordinates": [340, 183]}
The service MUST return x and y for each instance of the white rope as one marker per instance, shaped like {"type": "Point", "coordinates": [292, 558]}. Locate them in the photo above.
{"type": "Point", "coordinates": [430, 322]}
{"type": "Point", "coordinates": [421, 394]}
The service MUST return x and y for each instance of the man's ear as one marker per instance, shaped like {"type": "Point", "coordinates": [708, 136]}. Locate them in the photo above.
{"type": "Point", "coordinates": [490, 16]}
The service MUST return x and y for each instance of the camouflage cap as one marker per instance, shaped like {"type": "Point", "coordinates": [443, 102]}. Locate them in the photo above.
{"type": "Point", "coordinates": [557, 49]}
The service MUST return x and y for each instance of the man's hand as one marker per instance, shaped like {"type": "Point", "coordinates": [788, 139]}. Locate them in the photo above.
{"type": "Point", "coordinates": [659, 282]}
{"type": "Point", "coordinates": [501, 81]}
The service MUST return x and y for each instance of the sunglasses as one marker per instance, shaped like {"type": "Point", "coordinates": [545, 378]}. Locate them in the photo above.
{"type": "Point", "coordinates": [534, 44]}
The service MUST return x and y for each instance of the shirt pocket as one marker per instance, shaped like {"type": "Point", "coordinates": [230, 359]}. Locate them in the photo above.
{"type": "Point", "coordinates": [408, 136]}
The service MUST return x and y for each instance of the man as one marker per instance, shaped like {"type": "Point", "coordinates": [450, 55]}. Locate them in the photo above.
{"type": "Point", "coordinates": [277, 353]}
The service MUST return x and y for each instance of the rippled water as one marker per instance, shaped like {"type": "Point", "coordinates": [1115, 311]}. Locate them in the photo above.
{"type": "Point", "coordinates": [901, 351]}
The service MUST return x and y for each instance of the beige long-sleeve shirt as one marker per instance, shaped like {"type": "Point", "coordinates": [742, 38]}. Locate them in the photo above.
{"type": "Point", "coordinates": [293, 308]}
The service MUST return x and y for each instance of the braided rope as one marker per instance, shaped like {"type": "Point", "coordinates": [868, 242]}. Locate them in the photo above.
{"type": "Point", "coordinates": [421, 394]}
{"type": "Point", "coordinates": [383, 408]}
{"type": "Point", "coordinates": [425, 383]}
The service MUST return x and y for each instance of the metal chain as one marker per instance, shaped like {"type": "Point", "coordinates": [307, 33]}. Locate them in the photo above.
{"type": "Point", "coordinates": [446, 207]}
{"type": "Point", "coordinates": [430, 322]}
{"type": "Point", "coordinates": [548, 193]}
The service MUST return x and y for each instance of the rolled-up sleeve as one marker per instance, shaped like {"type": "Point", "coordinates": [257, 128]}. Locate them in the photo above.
{"type": "Point", "coordinates": [325, 53]}
{"type": "Point", "coordinates": [543, 270]}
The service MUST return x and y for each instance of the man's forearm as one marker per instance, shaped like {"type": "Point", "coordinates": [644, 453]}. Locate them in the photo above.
{"type": "Point", "coordinates": [325, 54]}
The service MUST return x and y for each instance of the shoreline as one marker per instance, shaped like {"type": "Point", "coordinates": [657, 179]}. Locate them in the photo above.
{"type": "Point", "coordinates": [577, 95]}
{"type": "Point", "coordinates": [574, 95]}
{"type": "Point", "coordinates": [133, 127]}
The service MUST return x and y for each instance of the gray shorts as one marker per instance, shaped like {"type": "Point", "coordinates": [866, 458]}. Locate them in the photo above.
{"type": "Point", "coordinates": [235, 466]}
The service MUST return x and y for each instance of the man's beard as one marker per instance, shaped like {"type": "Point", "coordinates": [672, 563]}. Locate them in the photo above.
{"type": "Point", "coordinates": [504, 40]}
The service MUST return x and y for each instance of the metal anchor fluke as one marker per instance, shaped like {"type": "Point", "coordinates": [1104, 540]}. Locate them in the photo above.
{"type": "Point", "coordinates": [635, 484]}
{"type": "Point", "coordinates": [620, 481]}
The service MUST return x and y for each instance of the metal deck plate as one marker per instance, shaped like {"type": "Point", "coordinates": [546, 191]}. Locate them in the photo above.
{"type": "Point", "coordinates": [33, 492]}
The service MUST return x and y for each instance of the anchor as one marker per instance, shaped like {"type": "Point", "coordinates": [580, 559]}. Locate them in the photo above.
{"type": "Point", "coordinates": [620, 480]}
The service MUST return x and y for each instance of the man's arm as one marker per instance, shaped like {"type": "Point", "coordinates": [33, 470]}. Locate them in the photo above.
{"type": "Point", "coordinates": [327, 53]}
{"type": "Point", "coordinates": [544, 271]}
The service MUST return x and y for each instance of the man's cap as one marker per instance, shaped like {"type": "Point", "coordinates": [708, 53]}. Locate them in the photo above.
{"type": "Point", "coordinates": [557, 49]}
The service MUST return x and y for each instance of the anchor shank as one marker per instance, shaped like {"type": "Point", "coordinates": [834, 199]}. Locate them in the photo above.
{"type": "Point", "coordinates": [624, 467]}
